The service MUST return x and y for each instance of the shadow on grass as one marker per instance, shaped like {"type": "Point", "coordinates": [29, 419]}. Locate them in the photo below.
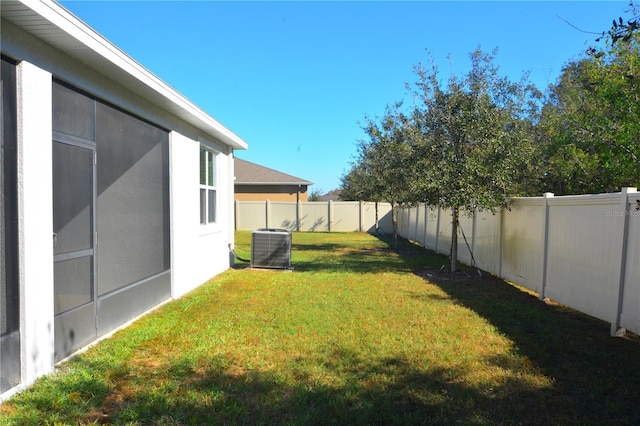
{"type": "Point", "coordinates": [365, 391]}
{"type": "Point", "coordinates": [596, 377]}
{"type": "Point", "coordinates": [375, 391]}
{"type": "Point", "coordinates": [367, 258]}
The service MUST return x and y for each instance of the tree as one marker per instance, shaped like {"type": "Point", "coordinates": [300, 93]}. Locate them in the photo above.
{"type": "Point", "coordinates": [315, 195]}
{"type": "Point", "coordinates": [355, 185]}
{"type": "Point", "coordinates": [590, 123]}
{"type": "Point", "coordinates": [385, 169]}
{"type": "Point", "coordinates": [358, 186]}
{"type": "Point", "coordinates": [473, 138]}
{"type": "Point", "coordinates": [622, 30]}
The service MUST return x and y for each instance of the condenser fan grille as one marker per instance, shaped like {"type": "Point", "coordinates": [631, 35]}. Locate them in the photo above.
{"type": "Point", "coordinates": [271, 248]}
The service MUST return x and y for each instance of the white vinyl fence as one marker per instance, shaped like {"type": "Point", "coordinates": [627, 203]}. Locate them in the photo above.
{"type": "Point", "coordinates": [582, 251]}
{"type": "Point", "coordinates": [318, 216]}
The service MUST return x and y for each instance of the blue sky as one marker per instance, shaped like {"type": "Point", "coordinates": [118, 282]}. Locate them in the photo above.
{"type": "Point", "coordinates": [295, 80]}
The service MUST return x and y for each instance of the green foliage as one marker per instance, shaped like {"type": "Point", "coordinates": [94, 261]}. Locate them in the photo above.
{"type": "Point", "coordinates": [591, 127]}
{"type": "Point", "coordinates": [315, 195]}
{"type": "Point", "coordinates": [475, 136]}
{"type": "Point", "coordinates": [388, 158]}
{"type": "Point", "coordinates": [467, 145]}
{"type": "Point", "coordinates": [356, 185]}
{"type": "Point", "coordinates": [621, 29]}
{"type": "Point", "coordinates": [386, 168]}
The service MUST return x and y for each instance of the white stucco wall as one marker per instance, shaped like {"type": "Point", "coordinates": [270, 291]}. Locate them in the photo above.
{"type": "Point", "coordinates": [198, 252]}
{"type": "Point", "coordinates": [35, 207]}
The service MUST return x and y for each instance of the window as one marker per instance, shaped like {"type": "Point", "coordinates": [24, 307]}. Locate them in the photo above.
{"type": "Point", "coordinates": [208, 186]}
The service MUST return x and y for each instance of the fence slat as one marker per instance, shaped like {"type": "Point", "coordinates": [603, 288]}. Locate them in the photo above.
{"type": "Point", "coordinates": [545, 240]}
{"type": "Point", "coordinates": [624, 235]}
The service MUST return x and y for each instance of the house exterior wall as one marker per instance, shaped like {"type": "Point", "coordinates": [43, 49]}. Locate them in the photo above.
{"type": "Point", "coordinates": [197, 252]}
{"type": "Point", "coordinates": [271, 193]}
{"type": "Point", "coordinates": [35, 221]}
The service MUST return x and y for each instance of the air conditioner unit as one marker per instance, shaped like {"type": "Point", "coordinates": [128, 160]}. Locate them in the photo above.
{"type": "Point", "coordinates": [271, 248]}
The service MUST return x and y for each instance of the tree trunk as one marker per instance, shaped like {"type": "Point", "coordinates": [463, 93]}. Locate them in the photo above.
{"type": "Point", "coordinates": [377, 222]}
{"type": "Point", "coordinates": [454, 239]}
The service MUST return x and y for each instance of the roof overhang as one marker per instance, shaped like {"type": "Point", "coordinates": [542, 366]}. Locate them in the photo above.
{"type": "Point", "coordinates": [59, 28]}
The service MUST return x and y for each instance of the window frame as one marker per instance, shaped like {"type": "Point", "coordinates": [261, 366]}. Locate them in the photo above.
{"type": "Point", "coordinates": [209, 190]}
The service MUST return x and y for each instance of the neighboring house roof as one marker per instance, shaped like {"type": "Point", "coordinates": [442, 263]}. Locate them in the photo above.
{"type": "Point", "coordinates": [248, 173]}
{"type": "Point", "coordinates": [58, 27]}
{"type": "Point", "coordinates": [329, 197]}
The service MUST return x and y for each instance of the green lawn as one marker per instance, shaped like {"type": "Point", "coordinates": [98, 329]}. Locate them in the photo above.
{"type": "Point", "coordinates": [354, 335]}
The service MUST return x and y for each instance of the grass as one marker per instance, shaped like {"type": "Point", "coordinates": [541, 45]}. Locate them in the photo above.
{"type": "Point", "coordinates": [355, 335]}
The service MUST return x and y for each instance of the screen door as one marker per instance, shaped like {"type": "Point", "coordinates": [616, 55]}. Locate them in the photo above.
{"type": "Point", "coordinates": [74, 243]}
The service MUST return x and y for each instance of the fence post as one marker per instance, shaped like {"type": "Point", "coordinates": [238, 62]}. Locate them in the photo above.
{"type": "Point", "coordinates": [415, 229]}
{"type": "Point", "coordinates": [360, 213]}
{"type": "Point", "coordinates": [437, 229]}
{"type": "Point", "coordinates": [545, 239]}
{"type": "Point", "coordinates": [267, 213]}
{"type": "Point", "coordinates": [298, 215]}
{"type": "Point", "coordinates": [426, 221]}
{"type": "Point", "coordinates": [329, 215]}
{"type": "Point", "coordinates": [501, 242]}
{"type": "Point", "coordinates": [624, 235]}
{"type": "Point", "coordinates": [474, 224]}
